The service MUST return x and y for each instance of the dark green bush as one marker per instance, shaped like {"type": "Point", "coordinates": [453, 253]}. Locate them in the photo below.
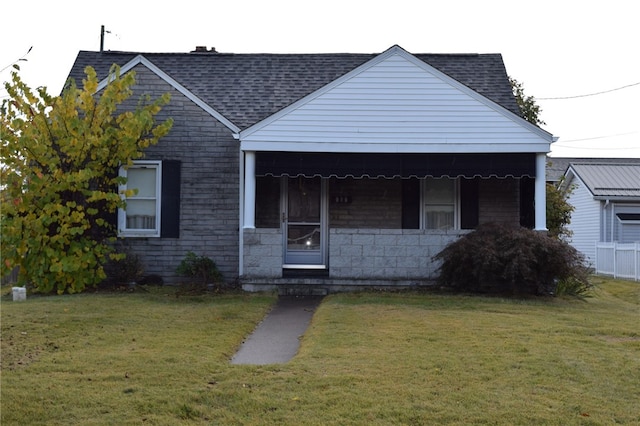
{"type": "Point", "coordinates": [501, 259]}
{"type": "Point", "coordinates": [201, 271]}
{"type": "Point", "coordinates": [125, 270]}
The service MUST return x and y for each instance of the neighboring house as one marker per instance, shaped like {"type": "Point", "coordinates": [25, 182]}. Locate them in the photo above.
{"type": "Point", "coordinates": [327, 169]}
{"type": "Point", "coordinates": [557, 166]}
{"type": "Point", "coordinates": [606, 199]}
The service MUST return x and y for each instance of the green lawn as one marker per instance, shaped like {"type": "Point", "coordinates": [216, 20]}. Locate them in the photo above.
{"type": "Point", "coordinates": [367, 358]}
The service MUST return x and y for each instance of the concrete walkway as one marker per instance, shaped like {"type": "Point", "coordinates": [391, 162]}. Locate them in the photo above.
{"type": "Point", "coordinates": [277, 338]}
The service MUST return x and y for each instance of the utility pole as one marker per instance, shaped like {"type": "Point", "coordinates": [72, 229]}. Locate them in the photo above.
{"type": "Point", "coordinates": [101, 38]}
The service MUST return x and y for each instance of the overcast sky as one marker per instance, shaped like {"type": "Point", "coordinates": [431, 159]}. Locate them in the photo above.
{"type": "Point", "coordinates": [571, 49]}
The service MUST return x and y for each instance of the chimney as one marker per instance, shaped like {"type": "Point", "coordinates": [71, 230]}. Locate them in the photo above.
{"type": "Point", "coordinates": [203, 49]}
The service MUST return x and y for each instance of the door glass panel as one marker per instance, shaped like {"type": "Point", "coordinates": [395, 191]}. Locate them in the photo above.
{"type": "Point", "coordinates": [303, 237]}
{"type": "Point", "coordinates": [304, 200]}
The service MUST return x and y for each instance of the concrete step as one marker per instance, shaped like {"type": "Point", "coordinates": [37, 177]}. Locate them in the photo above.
{"type": "Point", "coordinates": [302, 290]}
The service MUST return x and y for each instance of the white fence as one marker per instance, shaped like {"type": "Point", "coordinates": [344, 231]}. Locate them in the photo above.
{"type": "Point", "coordinates": [618, 260]}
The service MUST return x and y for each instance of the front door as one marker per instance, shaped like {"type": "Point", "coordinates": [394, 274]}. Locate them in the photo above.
{"type": "Point", "coordinates": [304, 223]}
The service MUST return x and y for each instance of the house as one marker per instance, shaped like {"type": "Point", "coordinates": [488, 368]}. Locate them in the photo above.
{"type": "Point", "coordinates": [557, 166]}
{"type": "Point", "coordinates": [606, 199]}
{"type": "Point", "coordinates": [333, 170]}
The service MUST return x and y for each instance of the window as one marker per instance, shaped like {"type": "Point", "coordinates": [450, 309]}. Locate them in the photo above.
{"type": "Point", "coordinates": [629, 218]}
{"type": "Point", "coordinates": [154, 209]}
{"type": "Point", "coordinates": [142, 216]}
{"type": "Point", "coordinates": [439, 207]}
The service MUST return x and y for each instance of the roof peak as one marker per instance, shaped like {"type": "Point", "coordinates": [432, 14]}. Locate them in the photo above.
{"type": "Point", "coordinates": [203, 50]}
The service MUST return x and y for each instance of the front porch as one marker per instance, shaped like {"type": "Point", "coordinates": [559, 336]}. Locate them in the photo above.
{"type": "Point", "coordinates": [357, 258]}
{"type": "Point", "coordinates": [368, 232]}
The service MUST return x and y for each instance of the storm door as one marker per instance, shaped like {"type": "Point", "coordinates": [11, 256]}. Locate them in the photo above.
{"type": "Point", "coordinates": [304, 223]}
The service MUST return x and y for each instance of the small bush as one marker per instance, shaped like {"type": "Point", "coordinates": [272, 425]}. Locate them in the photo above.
{"type": "Point", "coordinates": [574, 286]}
{"type": "Point", "coordinates": [201, 270]}
{"type": "Point", "coordinates": [501, 259]}
{"type": "Point", "coordinates": [124, 270]}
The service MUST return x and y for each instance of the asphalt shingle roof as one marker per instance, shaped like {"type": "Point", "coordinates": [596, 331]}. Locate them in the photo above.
{"type": "Point", "coordinates": [246, 88]}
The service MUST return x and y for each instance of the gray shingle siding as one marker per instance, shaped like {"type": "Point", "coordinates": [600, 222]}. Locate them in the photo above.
{"type": "Point", "coordinates": [499, 201]}
{"type": "Point", "coordinates": [209, 208]}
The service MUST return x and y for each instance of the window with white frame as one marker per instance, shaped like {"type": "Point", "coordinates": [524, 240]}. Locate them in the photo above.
{"type": "Point", "coordinates": [439, 203]}
{"type": "Point", "coordinates": [141, 217]}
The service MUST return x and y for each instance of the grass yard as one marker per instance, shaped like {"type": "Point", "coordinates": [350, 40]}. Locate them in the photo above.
{"type": "Point", "coordinates": [368, 358]}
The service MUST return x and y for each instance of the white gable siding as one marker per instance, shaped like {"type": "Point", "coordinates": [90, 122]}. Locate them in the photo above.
{"type": "Point", "coordinates": [395, 105]}
{"type": "Point", "coordinates": [585, 220]}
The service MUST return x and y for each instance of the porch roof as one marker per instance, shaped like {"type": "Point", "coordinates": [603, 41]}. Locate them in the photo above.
{"type": "Point", "coordinates": [370, 165]}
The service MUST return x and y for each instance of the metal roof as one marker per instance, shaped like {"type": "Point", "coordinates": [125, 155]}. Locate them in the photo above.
{"type": "Point", "coordinates": [557, 166]}
{"type": "Point", "coordinates": [609, 180]}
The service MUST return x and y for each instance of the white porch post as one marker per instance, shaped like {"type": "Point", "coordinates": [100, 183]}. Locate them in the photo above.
{"type": "Point", "coordinates": [249, 189]}
{"type": "Point", "coordinates": [541, 192]}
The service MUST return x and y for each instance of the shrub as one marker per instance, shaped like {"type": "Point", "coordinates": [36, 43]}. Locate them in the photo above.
{"type": "Point", "coordinates": [501, 259]}
{"type": "Point", "coordinates": [125, 269]}
{"type": "Point", "coordinates": [574, 286]}
{"type": "Point", "coordinates": [200, 269]}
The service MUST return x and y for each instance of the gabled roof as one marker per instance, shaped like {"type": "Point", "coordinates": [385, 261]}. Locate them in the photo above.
{"type": "Point", "coordinates": [247, 88]}
{"type": "Point", "coordinates": [557, 166]}
{"type": "Point", "coordinates": [395, 103]}
{"type": "Point", "coordinates": [608, 181]}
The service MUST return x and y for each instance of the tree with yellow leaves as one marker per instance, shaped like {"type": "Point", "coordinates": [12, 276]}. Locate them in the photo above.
{"type": "Point", "coordinates": [59, 180]}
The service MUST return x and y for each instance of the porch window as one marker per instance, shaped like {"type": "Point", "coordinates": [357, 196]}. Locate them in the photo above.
{"type": "Point", "coordinates": [142, 214]}
{"type": "Point", "coordinates": [439, 208]}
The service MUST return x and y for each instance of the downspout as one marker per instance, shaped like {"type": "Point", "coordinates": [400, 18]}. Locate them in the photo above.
{"type": "Point", "coordinates": [603, 232]}
{"type": "Point", "coordinates": [241, 209]}
{"type": "Point", "coordinates": [613, 213]}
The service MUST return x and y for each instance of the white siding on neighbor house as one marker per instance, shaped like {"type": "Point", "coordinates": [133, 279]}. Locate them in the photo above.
{"type": "Point", "coordinates": [585, 220]}
{"type": "Point", "coordinates": [398, 104]}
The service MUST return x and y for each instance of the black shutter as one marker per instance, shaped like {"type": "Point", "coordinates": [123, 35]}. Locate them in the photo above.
{"type": "Point", "coordinates": [469, 204]}
{"type": "Point", "coordinates": [170, 199]}
{"type": "Point", "coordinates": [410, 203]}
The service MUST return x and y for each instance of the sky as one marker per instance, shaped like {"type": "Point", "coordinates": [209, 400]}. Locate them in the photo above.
{"type": "Point", "coordinates": [579, 59]}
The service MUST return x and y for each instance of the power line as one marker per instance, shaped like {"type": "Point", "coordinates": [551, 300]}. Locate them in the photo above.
{"type": "Point", "coordinates": [600, 137]}
{"type": "Point", "coordinates": [589, 94]}
{"type": "Point", "coordinates": [22, 58]}
{"type": "Point", "coordinates": [563, 144]}
{"type": "Point", "coordinates": [596, 148]}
